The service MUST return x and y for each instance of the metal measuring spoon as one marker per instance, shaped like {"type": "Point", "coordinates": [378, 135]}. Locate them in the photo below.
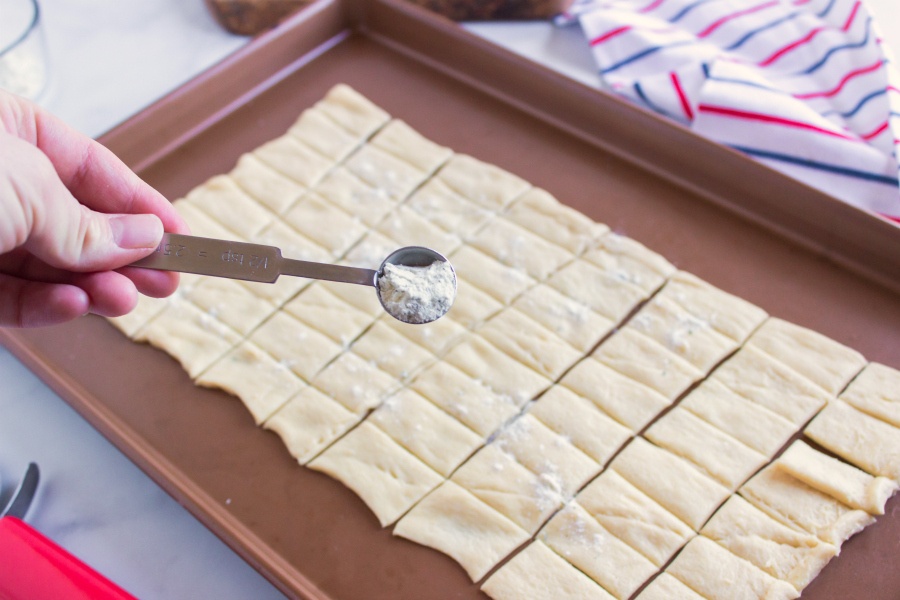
{"type": "Point", "coordinates": [264, 264]}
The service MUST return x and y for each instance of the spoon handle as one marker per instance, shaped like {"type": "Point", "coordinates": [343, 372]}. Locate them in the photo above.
{"type": "Point", "coordinates": [242, 260]}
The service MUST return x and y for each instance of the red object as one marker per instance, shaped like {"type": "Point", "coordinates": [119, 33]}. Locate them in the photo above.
{"type": "Point", "coordinates": [33, 567]}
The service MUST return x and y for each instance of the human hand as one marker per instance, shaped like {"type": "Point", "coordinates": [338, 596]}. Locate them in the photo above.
{"type": "Point", "coordinates": [72, 216]}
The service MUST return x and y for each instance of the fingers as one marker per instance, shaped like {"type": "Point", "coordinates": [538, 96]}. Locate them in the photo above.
{"type": "Point", "coordinates": [96, 177]}
{"type": "Point", "coordinates": [156, 284]}
{"type": "Point", "coordinates": [33, 304]}
{"type": "Point", "coordinates": [110, 294]}
{"type": "Point", "coordinates": [21, 264]}
{"type": "Point", "coordinates": [93, 174]}
{"type": "Point", "coordinates": [42, 216]}
{"type": "Point", "coordinates": [25, 303]}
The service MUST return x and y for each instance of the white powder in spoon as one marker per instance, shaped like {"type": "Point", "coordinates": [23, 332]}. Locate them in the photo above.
{"type": "Point", "coordinates": [417, 294]}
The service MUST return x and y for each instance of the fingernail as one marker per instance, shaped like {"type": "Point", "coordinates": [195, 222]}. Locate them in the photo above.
{"type": "Point", "coordinates": [133, 232]}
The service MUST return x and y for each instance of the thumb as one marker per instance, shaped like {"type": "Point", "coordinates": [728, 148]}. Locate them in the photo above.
{"type": "Point", "coordinates": [68, 235]}
{"type": "Point", "coordinates": [71, 236]}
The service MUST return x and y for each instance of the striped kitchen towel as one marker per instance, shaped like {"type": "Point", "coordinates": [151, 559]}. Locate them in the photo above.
{"type": "Point", "coordinates": [804, 86]}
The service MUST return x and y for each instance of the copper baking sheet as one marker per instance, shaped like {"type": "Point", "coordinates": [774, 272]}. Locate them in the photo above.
{"type": "Point", "coordinates": [797, 253]}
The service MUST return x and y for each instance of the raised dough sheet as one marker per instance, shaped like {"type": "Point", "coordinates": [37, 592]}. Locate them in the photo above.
{"type": "Point", "coordinates": [783, 552]}
{"type": "Point", "coordinates": [841, 481]}
{"type": "Point", "coordinates": [794, 503]}
{"type": "Point", "coordinates": [865, 441]}
{"type": "Point", "coordinates": [717, 574]}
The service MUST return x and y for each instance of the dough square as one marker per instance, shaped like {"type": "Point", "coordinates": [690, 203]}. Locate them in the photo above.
{"type": "Point", "coordinates": [551, 456]}
{"type": "Point", "coordinates": [368, 253]}
{"type": "Point", "coordinates": [202, 224]}
{"type": "Point", "coordinates": [294, 159]}
{"type": "Point", "coordinates": [671, 481]}
{"type": "Point", "coordinates": [646, 361]}
{"type": "Point", "coordinates": [500, 373]}
{"type": "Point", "coordinates": [352, 111]}
{"type": "Point", "coordinates": [728, 314]}
{"type": "Point", "coordinates": [384, 171]}
{"type": "Point", "coordinates": [435, 437]}
{"type": "Point", "coordinates": [783, 552]}
{"type": "Point", "coordinates": [580, 421]}
{"type": "Point", "coordinates": [858, 438]}
{"type": "Point", "coordinates": [841, 481]}
{"type": "Point", "coordinates": [191, 336]}
{"type": "Point", "coordinates": [633, 517]}
{"type": "Point", "coordinates": [628, 260]}
{"type": "Point", "coordinates": [315, 130]}
{"type": "Point", "coordinates": [570, 319]}
{"type": "Point", "coordinates": [355, 383]}
{"type": "Point", "coordinates": [472, 307]}
{"type": "Point", "coordinates": [225, 202]}
{"type": "Point", "coordinates": [453, 521]}
{"type": "Point", "coordinates": [309, 422]}
{"type": "Point", "coordinates": [666, 587]}
{"type": "Point", "coordinates": [391, 352]}
{"type": "Point", "coordinates": [262, 383]}
{"type": "Point", "coordinates": [439, 204]}
{"type": "Point", "coordinates": [266, 185]}
{"type": "Point", "coordinates": [602, 291]}
{"type": "Point", "coordinates": [876, 391]}
{"type": "Point", "coordinates": [717, 574]}
{"type": "Point", "coordinates": [325, 224]}
{"type": "Point", "coordinates": [717, 454]}
{"type": "Point", "coordinates": [768, 382]}
{"type": "Point", "coordinates": [495, 477]}
{"type": "Point", "coordinates": [298, 347]}
{"type": "Point", "coordinates": [502, 283]}
{"type": "Point", "coordinates": [410, 146]}
{"type": "Point", "coordinates": [542, 214]}
{"type": "Point", "coordinates": [231, 303]}
{"type": "Point", "coordinates": [354, 196]}
{"type": "Point", "coordinates": [360, 297]}
{"type": "Point", "coordinates": [539, 573]}
{"type": "Point", "coordinates": [466, 398]}
{"type": "Point", "coordinates": [320, 309]}
{"type": "Point", "coordinates": [787, 499]}
{"type": "Point", "coordinates": [131, 323]}
{"type": "Point", "coordinates": [825, 362]}
{"type": "Point", "coordinates": [753, 424]}
{"type": "Point", "coordinates": [386, 476]}
{"type": "Point", "coordinates": [519, 248]}
{"type": "Point", "coordinates": [629, 402]}
{"type": "Point", "coordinates": [482, 183]}
{"type": "Point", "coordinates": [408, 228]}
{"type": "Point", "coordinates": [438, 336]}
{"type": "Point", "coordinates": [682, 334]}
{"type": "Point", "coordinates": [577, 536]}
{"type": "Point", "coordinates": [530, 343]}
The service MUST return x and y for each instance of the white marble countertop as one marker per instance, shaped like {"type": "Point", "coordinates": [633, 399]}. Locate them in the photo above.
{"type": "Point", "coordinates": [108, 60]}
